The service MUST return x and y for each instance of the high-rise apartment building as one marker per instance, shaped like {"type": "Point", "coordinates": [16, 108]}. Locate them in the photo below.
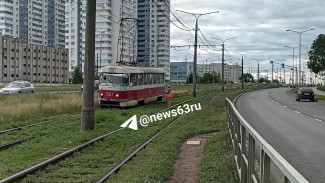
{"type": "Point", "coordinates": [38, 22]}
{"type": "Point", "coordinates": [116, 39]}
{"type": "Point", "coordinates": [154, 34]}
{"type": "Point", "coordinates": [72, 35]}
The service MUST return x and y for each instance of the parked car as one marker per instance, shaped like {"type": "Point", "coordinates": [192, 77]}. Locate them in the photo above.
{"type": "Point", "coordinates": [96, 85]}
{"type": "Point", "coordinates": [305, 93]}
{"type": "Point", "coordinates": [18, 87]}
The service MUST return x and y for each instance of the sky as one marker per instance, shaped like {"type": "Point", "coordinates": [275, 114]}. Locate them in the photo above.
{"type": "Point", "coordinates": [258, 25]}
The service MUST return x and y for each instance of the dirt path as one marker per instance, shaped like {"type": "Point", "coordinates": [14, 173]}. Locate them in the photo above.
{"type": "Point", "coordinates": [188, 164]}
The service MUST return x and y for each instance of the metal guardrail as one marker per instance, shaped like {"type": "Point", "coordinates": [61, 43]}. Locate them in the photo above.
{"type": "Point", "coordinates": [244, 140]}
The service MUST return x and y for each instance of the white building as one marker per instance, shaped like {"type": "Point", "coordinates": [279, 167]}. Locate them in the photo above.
{"type": "Point", "coordinates": [38, 22]}
{"type": "Point", "coordinates": [9, 18]}
{"type": "Point", "coordinates": [232, 72]}
{"type": "Point", "coordinates": [116, 39]}
{"type": "Point", "coordinates": [72, 29]}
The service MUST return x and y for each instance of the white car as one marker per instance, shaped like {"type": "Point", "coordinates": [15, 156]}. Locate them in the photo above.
{"type": "Point", "coordinates": [18, 87]}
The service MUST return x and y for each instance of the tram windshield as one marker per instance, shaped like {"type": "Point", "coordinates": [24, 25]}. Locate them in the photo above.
{"type": "Point", "coordinates": [107, 79]}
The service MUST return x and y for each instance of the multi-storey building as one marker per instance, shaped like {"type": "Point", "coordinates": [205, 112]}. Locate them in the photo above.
{"type": "Point", "coordinates": [9, 18]}
{"type": "Point", "coordinates": [72, 35]}
{"type": "Point", "coordinates": [154, 34]}
{"type": "Point", "coordinates": [232, 72]}
{"type": "Point", "coordinates": [116, 26]}
{"type": "Point", "coordinates": [34, 21]}
{"type": "Point", "coordinates": [32, 62]}
{"type": "Point", "coordinates": [179, 71]}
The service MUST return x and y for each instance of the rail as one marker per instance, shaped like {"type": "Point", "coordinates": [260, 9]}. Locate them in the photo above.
{"type": "Point", "coordinates": [246, 141]}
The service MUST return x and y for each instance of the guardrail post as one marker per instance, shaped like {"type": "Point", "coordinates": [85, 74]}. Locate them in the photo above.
{"type": "Point", "coordinates": [243, 170]}
{"type": "Point", "coordinates": [265, 167]}
{"type": "Point", "coordinates": [238, 141]}
{"type": "Point", "coordinates": [251, 158]}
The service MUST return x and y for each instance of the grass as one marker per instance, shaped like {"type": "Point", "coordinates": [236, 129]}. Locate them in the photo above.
{"type": "Point", "coordinates": [155, 163]}
{"type": "Point", "coordinates": [21, 108]}
{"type": "Point", "coordinates": [321, 88]}
{"type": "Point", "coordinates": [65, 134]}
{"type": "Point", "coordinates": [59, 87]}
{"type": "Point", "coordinates": [319, 98]}
{"type": "Point", "coordinates": [28, 108]}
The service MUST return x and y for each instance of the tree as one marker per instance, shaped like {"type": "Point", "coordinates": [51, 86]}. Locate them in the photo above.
{"type": "Point", "coordinates": [316, 61]}
{"type": "Point", "coordinates": [247, 78]}
{"type": "Point", "coordinates": [189, 78]}
{"type": "Point", "coordinates": [77, 76]}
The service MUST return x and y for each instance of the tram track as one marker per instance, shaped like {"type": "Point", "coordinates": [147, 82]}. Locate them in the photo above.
{"type": "Point", "coordinates": [67, 153]}
{"type": "Point", "coordinates": [129, 157]}
{"type": "Point", "coordinates": [6, 146]}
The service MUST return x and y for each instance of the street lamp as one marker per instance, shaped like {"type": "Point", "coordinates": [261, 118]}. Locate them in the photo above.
{"type": "Point", "coordinates": [300, 49]}
{"type": "Point", "coordinates": [258, 70]}
{"type": "Point", "coordinates": [293, 62]}
{"type": "Point", "coordinates": [223, 61]}
{"type": "Point", "coordinates": [197, 16]}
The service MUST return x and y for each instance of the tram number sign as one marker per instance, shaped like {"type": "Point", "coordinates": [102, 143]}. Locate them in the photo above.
{"type": "Point", "coordinates": [112, 70]}
{"type": "Point", "coordinates": [109, 94]}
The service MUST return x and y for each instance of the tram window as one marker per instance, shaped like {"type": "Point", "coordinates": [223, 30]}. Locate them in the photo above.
{"type": "Point", "coordinates": [162, 78]}
{"type": "Point", "coordinates": [154, 78]}
{"type": "Point", "coordinates": [159, 78]}
{"type": "Point", "coordinates": [133, 80]}
{"type": "Point", "coordinates": [114, 79]}
{"type": "Point", "coordinates": [140, 79]}
{"type": "Point", "coordinates": [149, 79]}
{"type": "Point", "coordinates": [145, 79]}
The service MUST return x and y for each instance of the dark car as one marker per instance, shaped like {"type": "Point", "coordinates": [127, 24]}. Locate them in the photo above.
{"type": "Point", "coordinates": [305, 93]}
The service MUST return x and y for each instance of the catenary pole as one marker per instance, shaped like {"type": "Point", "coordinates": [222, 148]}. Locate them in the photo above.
{"type": "Point", "coordinates": [88, 110]}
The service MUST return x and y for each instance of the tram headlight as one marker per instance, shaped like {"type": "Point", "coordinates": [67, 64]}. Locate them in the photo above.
{"type": "Point", "coordinates": [117, 95]}
{"type": "Point", "coordinates": [101, 94]}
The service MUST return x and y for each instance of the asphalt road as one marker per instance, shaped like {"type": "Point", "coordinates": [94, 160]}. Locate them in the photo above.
{"type": "Point", "coordinates": [295, 129]}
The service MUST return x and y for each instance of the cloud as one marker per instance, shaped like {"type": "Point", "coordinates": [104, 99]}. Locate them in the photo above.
{"type": "Point", "coordinates": [259, 25]}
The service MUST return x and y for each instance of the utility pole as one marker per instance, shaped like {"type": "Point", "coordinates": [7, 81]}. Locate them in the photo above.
{"type": "Point", "coordinates": [88, 110]}
{"type": "Point", "coordinates": [242, 72]}
{"type": "Point", "coordinates": [258, 73]}
{"type": "Point", "coordinates": [197, 16]}
{"type": "Point", "coordinates": [258, 70]}
{"type": "Point", "coordinates": [242, 68]}
{"type": "Point", "coordinates": [280, 75]}
{"type": "Point", "coordinates": [293, 63]}
{"type": "Point", "coordinates": [284, 75]}
{"type": "Point", "coordinates": [195, 59]}
{"type": "Point", "coordinates": [277, 73]}
{"type": "Point", "coordinates": [272, 70]}
{"type": "Point", "coordinates": [223, 62]}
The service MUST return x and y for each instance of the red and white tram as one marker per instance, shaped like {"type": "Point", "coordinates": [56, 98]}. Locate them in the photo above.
{"type": "Point", "coordinates": [128, 86]}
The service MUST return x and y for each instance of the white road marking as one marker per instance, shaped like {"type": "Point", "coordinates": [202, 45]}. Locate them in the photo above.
{"type": "Point", "coordinates": [317, 119]}
{"type": "Point", "coordinates": [298, 112]}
